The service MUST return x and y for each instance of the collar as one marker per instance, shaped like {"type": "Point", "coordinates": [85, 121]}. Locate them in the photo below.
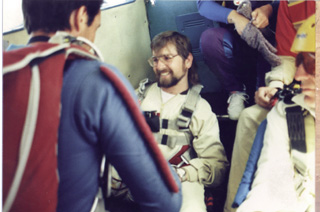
{"type": "Point", "coordinates": [38, 39]}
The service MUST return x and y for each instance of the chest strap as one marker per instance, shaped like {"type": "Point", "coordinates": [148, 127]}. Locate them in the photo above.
{"type": "Point", "coordinates": [173, 141]}
{"type": "Point", "coordinates": [181, 123]}
{"type": "Point", "coordinates": [296, 129]}
{"type": "Point", "coordinates": [301, 129]}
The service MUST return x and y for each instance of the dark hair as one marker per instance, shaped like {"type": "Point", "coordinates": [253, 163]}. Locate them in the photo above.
{"type": "Point", "coordinates": [52, 15]}
{"type": "Point", "coordinates": [183, 46]}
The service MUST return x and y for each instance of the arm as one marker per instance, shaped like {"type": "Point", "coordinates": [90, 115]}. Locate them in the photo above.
{"type": "Point", "coordinates": [285, 33]}
{"type": "Point", "coordinates": [211, 165]}
{"type": "Point", "coordinates": [213, 11]}
{"type": "Point", "coordinates": [284, 73]}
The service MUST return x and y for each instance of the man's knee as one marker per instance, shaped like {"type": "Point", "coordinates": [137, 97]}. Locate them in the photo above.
{"type": "Point", "coordinates": [252, 116]}
{"type": "Point", "coordinates": [211, 41]}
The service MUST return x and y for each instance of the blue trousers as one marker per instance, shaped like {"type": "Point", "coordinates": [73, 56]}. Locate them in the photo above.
{"type": "Point", "coordinates": [232, 60]}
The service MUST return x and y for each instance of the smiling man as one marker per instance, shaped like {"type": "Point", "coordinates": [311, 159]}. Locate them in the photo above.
{"type": "Point", "coordinates": [183, 123]}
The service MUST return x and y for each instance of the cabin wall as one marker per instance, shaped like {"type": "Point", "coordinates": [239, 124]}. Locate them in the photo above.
{"type": "Point", "coordinates": [123, 40]}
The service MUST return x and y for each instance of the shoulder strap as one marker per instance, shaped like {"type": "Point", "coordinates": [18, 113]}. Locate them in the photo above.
{"type": "Point", "coordinates": [29, 57]}
{"type": "Point", "coordinates": [189, 106]}
{"type": "Point", "coordinates": [296, 129]}
{"type": "Point", "coordinates": [144, 86]}
{"type": "Point", "coordinates": [302, 137]}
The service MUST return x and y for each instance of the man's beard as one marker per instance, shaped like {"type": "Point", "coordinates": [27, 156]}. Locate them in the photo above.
{"type": "Point", "coordinates": [168, 81]}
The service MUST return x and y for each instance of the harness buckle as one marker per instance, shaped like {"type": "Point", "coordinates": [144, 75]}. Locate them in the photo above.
{"type": "Point", "coordinates": [184, 161]}
{"type": "Point", "coordinates": [183, 122]}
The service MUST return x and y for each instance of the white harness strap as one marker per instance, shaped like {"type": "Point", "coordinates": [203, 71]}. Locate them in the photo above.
{"type": "Point", "coordinates": [173, 141]}
{"type": "Point", "coordinates": [142, 89]}
{"type": "Point", "coordinates": [26, 60]}
{"type": "Point", "coordinates": [27, 136]}
{"type": "Point", "coordinates": [182, 122]}
{"type": "Point", "coordinates": [189, 106]}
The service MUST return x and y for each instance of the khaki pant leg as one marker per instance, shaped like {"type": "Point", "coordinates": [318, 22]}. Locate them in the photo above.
{"type": "Point", "coordinates": [193, 197]}
{"type": "Point", "coordinates": [247, 126]}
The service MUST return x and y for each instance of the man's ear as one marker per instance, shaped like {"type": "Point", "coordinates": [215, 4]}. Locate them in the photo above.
{"type": "Point", "coordinates": [188, 61]}
{"type": "Point", "coordinates": [79, 19]}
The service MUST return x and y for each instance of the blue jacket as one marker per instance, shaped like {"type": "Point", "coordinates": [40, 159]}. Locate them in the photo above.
{"type": "Point", "coordinates": [94, 121]}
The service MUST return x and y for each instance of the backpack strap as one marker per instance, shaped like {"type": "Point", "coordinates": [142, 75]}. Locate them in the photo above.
{"type": "Point", "coordinates": [301, 128]}
{"type": "Point", "coordinates": [32, 57]}
{"type": "Point", "coordinates": [189, 107]}
{"type": "Point", "coordinates": [173, 141]}
{"type": "Point", "coordinates": [296, 129]}
{"type": "Point", "coordinates": [144, 86]}
{"type": "Point", "coordinates": [27, 136]}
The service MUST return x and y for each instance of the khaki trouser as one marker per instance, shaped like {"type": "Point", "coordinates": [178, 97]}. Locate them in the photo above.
{"type": "Point", "coordinates": [192, 197]}
{"type": "Point", "coordinates": [247, 126]}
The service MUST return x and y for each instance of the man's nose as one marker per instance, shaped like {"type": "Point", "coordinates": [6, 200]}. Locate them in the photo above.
{"type": "Point", "coordinates": [160, 65]}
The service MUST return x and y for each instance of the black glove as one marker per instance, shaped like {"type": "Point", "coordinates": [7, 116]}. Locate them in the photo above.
{"type": "Point", "coordinates": [256, 40]}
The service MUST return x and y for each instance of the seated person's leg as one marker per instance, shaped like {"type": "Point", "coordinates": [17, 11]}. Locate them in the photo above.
{"type": "Point", "coordinates": [217, 45]}
{"type": "Point", "coordinates": [248, 123]}
{"type": "Point", "coordinates": [217, 48]}
{"type": "Point", "coordinates": [192, 197]}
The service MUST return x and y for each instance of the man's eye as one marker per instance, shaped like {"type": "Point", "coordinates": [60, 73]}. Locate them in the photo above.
{"type": "Point", "coordinates": [166, 57]}
{"type": "Point", "coordinates": [155, 60]}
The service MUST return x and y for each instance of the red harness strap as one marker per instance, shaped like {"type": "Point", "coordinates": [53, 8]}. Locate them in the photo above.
{"type": "Point", "coordinates": [39, 183]}
{"type": "Point", "coordinates": [38, 187]}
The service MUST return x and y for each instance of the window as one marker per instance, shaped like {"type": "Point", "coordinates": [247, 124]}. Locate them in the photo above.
{"type": "Point", "coordinates": [12, 15]}
{"type": "Point", "coordinates": [114, 3]}
{"type": "Point", "coordinates": [13, 18]}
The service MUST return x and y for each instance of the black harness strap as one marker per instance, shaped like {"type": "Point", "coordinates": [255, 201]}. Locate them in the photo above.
{"type": "Point", "coordinates": [296, 128]}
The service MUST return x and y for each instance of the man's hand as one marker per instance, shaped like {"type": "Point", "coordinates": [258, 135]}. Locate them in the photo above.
{"type": "Point", "coordinates": [181, 174]}
{"type": "Point", "coordinates": [261, 16]}
{"type": "Point", "coordinates": [263, 96]}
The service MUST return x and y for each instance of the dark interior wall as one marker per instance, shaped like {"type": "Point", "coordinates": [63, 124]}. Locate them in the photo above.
{"type": "Point", "coordinates": [162, 16]}
{"type": "Point", "coordinates": [163, 13]}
